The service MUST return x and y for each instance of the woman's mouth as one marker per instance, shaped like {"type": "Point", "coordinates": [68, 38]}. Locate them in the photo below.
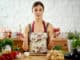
{"type": "Point", "coordinates": [38, 15]}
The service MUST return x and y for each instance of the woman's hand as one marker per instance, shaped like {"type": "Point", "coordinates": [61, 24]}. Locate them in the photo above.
{"type": "Point", "coordinates": [25, 40]}
{"type": "Point", "coordinates": [50, 34]}
{"type": "Point", "coordinates": [25, 45]}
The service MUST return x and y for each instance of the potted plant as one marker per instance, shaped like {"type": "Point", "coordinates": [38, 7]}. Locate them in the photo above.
{"type": "Point", "coordinates": [74, 54]}
{"type": "Point", "coordinates": [7, 45]}
{"type": "Point", "coordinates": [75, 46]}
{"type": "Point", "coordinates": [72, 36]}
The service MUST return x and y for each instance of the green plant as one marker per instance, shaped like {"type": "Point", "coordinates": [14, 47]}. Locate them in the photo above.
{"type": "Point", "coordinates": [77, 35]}
{"type": "Point", "coordinates": [73, 35]}
{"type": "Point", "coordinates": [76, 43]}
{"type": "Point", "coordinates": [16, 49]}
{"type": "Point", "coordinates": [7, 41]}
{"type": "Point", "coordinates": [0, 46]}
{"type": "Point", "coordinates": [57, 47]}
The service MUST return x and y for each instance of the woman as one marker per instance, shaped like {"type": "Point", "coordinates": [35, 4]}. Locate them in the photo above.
{"type": "Point", "coordinates": [38, 32]}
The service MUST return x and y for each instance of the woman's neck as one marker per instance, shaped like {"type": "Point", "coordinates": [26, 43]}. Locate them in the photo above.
{"type": "Point", "coordinates": [38, 20]}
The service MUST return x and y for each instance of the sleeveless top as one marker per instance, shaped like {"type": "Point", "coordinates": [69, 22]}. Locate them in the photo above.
{"type": "Point", "coordinates": [38, 41]}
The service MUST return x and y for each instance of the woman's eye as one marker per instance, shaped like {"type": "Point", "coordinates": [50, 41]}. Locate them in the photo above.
{"type": "Point", "coordinates": [40, 9]}
{"type": "Point", "coordinates": [35, 9]}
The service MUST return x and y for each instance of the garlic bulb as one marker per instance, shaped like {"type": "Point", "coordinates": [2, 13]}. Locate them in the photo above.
{"type": "Point", "coordinates": [26, 53]}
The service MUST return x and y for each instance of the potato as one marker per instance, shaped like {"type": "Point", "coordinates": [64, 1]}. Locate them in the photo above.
{"type": "Point", "coordinates": [55, 55]}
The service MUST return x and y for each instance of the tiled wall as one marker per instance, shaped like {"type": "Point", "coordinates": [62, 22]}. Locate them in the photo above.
{"type": "Point", "coordinates": [60, 13]}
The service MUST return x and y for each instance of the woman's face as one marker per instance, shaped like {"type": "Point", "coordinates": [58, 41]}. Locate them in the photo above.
{"type": "Point", "coordinates": [38, 11]}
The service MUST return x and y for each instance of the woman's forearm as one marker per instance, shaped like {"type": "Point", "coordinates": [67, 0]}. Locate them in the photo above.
{"type": "Point", "coordinates": [25, 44]}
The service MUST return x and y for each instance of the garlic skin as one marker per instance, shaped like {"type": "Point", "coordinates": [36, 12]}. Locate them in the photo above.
{"type": "Point", "coordinates": [26, 54]}
{"type": "Point", "coordinates": [7, 49]}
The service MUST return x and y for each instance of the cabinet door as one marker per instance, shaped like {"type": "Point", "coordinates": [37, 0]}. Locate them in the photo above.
{"type": "Point", "coordinates": [61, 42]}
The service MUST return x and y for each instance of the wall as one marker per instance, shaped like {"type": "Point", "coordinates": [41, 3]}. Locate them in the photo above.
{"type": "Point", "coordinates": [60, 13]}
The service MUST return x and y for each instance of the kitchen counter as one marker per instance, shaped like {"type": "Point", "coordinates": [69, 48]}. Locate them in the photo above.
{"type": "Point", "coordinates": [33, 58]}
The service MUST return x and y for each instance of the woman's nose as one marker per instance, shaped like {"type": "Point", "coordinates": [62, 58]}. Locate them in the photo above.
{"type": "Point", "coordinates": [38, 12]}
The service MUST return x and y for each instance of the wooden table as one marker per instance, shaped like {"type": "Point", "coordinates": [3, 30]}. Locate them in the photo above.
{"type": "Point", "coordinates": [33, 58]}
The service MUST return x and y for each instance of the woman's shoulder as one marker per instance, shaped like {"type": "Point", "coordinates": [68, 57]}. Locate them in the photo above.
{"type": "Point", "coordinates": [49, 26]}
{"type": "Point", "coordinates": [48, 23]}
{"type": "Point", "coordinates": [27, 26]}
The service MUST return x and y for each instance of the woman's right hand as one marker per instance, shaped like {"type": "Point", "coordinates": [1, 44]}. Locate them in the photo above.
{"type": "Point", "coordinates": [25, 40]}
{"type": "Point", "coordinates": [25, 48]}
{"type": "Point", "coordinates": [25, 45]}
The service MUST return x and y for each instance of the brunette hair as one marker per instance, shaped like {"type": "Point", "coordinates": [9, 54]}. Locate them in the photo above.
{"type": "Point", "coordinates": [38, 3]}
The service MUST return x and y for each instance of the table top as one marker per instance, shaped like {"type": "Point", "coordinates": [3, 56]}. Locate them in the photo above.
{"type": "Point", "coordinates": [33, 58]}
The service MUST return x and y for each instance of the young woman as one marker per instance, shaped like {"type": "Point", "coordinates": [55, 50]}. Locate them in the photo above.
{"type": "Point", "coordinates": [39, 33]}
